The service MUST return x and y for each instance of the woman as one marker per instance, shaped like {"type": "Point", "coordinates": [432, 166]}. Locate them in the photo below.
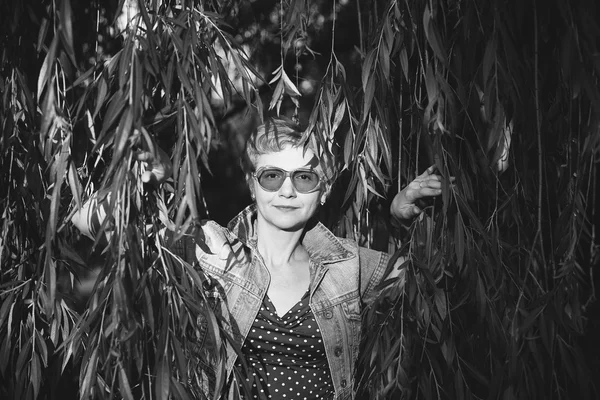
{"type": "Point", "coordinates": [289, 291]}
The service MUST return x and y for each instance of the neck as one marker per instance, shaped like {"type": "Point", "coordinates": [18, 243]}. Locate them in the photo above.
{"type": "Point", "coordinates": [279, 248]}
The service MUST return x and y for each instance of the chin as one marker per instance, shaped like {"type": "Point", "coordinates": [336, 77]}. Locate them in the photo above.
{"type": "Point", "coordinates": [289, 224]}
{"type": "Point", "coordinates": [288, 221]}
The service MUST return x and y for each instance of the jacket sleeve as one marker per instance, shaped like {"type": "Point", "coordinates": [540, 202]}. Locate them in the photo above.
{"type": "Point", "coordinates": [373, 265]}
{"type": "Point", "coordinates": [204, 237]}
{"type": "Point", "coordinates": [374, 270]}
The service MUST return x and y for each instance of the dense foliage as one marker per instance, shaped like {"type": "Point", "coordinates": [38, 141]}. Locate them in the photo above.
{"type": "Point", "coordinates": [503, 95]}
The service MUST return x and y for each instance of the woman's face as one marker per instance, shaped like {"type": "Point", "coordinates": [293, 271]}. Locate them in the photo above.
{"type": "Point", "coordinates": [286, 208]}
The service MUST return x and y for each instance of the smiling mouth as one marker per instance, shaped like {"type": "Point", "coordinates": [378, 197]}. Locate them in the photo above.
{"type": "Point", "coordinates": [286, 208]}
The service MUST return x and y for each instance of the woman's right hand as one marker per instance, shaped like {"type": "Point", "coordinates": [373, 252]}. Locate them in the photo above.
{"type": "Point", "coordinates": [158, 167]}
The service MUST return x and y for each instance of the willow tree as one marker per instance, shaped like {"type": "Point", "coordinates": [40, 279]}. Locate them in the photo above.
{"type": "Point", "coordinates": [502, 95]}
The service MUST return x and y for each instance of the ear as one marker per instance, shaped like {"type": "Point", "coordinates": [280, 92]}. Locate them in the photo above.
{"type": "Point", "coordinates": [325, 193]}
{"type": "Point", "coordinates": [250, 183]}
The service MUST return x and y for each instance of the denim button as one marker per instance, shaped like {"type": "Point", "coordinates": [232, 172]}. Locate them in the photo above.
{"type": "Point", "coordinates": [338, 351]}
{"type": "Point", "coordinates": [343, 383]}
{"type": "Point", "coordinates": [328, 314]}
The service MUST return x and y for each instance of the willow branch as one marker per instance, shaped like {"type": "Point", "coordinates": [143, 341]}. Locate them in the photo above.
{"type": "Point", "coordinates": [360, 29]}
{"type": "Point", "coordinates": [539, 130]}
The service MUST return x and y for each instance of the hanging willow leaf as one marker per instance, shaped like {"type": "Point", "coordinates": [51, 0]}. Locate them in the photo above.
{"type": "Point", "coordinates": [124, 383]}
{"type": "Point", "coordinates": [163, 378]}
{"type": "Point", "coordinates": [66, 30]}
{"type": "Point", "coordinates": [47, 66]}
{"type": "Point", "coordinates": [433, 35]}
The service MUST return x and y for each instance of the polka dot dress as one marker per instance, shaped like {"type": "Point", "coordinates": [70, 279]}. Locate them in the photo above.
{"type": "Point", "coordinates": [285, 356]}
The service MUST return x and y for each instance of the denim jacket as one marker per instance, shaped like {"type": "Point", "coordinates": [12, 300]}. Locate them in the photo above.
{"type": "Point", "coordinates": [342, 276]}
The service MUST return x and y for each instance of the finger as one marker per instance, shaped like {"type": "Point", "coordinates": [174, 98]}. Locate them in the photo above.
{"type": "Point", "coordinates": [427, 172]}
{"type": "Point", "coordinates": [147, 176]}
{"type": "Point", "coordinates": [144, 156]}
{"type": "Point", "coordinates": [429, 192]}
{"type": "Point", "coordinates": [432, 184]}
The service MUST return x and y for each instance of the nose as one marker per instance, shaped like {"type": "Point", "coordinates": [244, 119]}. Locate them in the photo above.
{"type": "Point", "coordinates": [287, 189]}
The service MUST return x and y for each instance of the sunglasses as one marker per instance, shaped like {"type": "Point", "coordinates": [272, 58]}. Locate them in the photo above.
{"type": "Point", "coordinates": [271, 179]}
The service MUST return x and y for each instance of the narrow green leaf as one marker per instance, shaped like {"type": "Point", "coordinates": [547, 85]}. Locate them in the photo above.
{"type": "Point", "coordinates": [75, 185]}
{"type": "Point", "coordinates": [440, 303]}
{"type": "Point", "coordinates": [149, 310]}
{"type": "Point", "coordinates": [489, 61]}
{"type": "Point", "coordinates": [180, 358]}
{"type": "Point", "coordinates": [116, 107]}
{"type": "Point", "coordinates": [190, 196]}
{"type": "Point", "coordinates": [459, 241]}
{"type": "Point", "coordinates": [40, 343]}
{"type": "Point", "coordinates": [432, 35]}
{"type": "Point", "coordinates": [432, 85]}
{"type": "Point", "coordinates": [182, 393]}
{"type": "Point", "coordinates": [137, 88]}
{"type": "Point", "coordinates": [66, 28]}
{"type": "Point", "coordinates": [384, 60]}
{"type": "Point", "coordinates": [47, 67]}
{"type": "Point", "coordinates": [404, 62]}
{"type": "Point", "coordinates": [7, 305]}
{"type": "Point", "coordinates": [368, 99]}
{"type": "Point", "coordinates": [163, 378]}
{"type": "Point", "coordinates": [36, 375]}
{"type": "Point", "coordinates": [374, 169]}
{"type": "Point", "coordinates": [124, 386]}
{"type": "Point", "coordinates": [42, 33]}
{"type": "Point", "coordinates": [102, 91]}
{"type": "Point", "coordinates": [24, 355]}
{"type": "Point", "coordinates": [89, 374]}
{"type": "Point", "coordinates": [339, 115]}
{"type": "Point", "coordinates": [367, 69]}
{"type": "Point", "coordinates": [5, 347]}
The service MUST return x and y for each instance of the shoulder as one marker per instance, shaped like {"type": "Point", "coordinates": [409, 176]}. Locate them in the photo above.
{"type": "Point", "coordinates": [205, 236]}
{"type": "Point", "coordinates": [365, 255]}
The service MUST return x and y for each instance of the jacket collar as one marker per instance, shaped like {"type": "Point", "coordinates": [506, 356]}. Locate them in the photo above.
{"type": "Point", "coordinates": [320, 242]}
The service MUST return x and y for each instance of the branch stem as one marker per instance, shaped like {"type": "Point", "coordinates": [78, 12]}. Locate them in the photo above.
{"type": "Point", "coordinates": [539, 131]}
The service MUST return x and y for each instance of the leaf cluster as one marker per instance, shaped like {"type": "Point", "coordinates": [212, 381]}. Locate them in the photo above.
{"type": "Point", "coordinates": [497, 270]}
{"type": "Point", "coordinates": [75, 132]}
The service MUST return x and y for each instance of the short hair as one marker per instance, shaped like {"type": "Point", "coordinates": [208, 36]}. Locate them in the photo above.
{"type": "Point", "coordinates": [275, 135]}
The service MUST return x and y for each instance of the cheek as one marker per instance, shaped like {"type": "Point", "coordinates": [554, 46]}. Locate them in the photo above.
{"type": "Point", "coordinates": [314, 201]}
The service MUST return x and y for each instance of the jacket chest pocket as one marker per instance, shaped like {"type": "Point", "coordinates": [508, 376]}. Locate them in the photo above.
{"type": "Point", "coordinates": [352, 309]}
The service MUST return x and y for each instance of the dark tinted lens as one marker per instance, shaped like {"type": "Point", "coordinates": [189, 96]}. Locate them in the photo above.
{"type": "Point", "coordinates": [271, 178]}
{"type": "Point", "coordinates": [305, 181]}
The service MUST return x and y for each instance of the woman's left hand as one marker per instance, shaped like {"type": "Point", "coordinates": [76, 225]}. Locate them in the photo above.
{"type": "Point", "coordinates": [426, 185]}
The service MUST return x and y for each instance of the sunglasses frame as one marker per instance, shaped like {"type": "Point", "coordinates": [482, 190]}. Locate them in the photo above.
{"type": "Point", "coordinates": [287, 174]}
